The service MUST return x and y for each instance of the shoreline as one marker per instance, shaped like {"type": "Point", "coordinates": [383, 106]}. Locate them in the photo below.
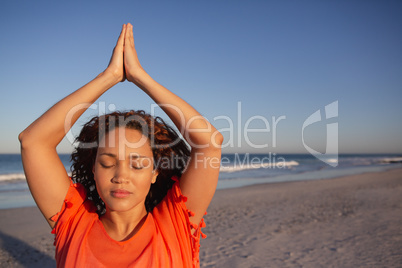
{"type": "Point", "coordinates": [22, 199]}
{"type": "Point", "coordinates": [346, 221]}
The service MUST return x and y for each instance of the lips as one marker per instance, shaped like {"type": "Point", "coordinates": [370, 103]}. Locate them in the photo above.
{"type": "Point", "coordinates": [120, 193]}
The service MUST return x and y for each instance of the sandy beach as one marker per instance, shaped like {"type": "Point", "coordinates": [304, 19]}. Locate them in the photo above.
{"type": "Point", "coordinates": [353, 221]}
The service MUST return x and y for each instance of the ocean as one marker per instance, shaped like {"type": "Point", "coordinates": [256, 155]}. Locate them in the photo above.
{"type": "Point", "coordinates": [236, 170]}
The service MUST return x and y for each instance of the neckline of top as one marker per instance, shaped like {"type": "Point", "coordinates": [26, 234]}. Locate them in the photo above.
{"type": "Point", "coordinates": [138, 233]}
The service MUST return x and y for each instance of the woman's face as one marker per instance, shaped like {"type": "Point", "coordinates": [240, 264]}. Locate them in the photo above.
{"type": "Point", "coordinates": [123, 169]}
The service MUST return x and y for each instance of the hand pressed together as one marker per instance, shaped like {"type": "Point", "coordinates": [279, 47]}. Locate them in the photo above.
{"type": "Point", "coordinates": [133, 68]}
{"type": "Point", "coordinates": [116, 67]}
{"type": "Point", "coordinates": [124, 63]}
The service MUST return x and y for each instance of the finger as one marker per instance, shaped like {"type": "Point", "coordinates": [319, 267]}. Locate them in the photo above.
{"type": "Point", "coordinates": [118, 49]}
{"type": "Point", "coordinates": [129, 35]}
{"type": "Point", "coordinates": [120, 41]}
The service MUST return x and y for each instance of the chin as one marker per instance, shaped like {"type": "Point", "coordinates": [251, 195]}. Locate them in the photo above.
{"type": "Point", "coordinates": [123, 206]}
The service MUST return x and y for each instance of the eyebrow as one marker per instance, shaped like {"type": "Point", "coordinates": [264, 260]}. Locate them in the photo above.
{"type": "Point", "coordinates": [109, 154]}
{"type": "Point", "coordinates": [132, 155]}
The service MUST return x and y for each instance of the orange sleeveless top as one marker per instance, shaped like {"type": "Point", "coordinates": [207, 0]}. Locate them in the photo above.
{"type": "Point", "coordinates": [164, 240]}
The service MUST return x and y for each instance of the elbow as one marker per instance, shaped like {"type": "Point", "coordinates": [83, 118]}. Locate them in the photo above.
{"type": "Point", "coordinates": [31, 140]}
{"type": "Point", "coordinates": [21, 136]}
{"type": "Point", "coordinates": [22, 140]}
{"type": "Point", "coordinates": [217, 139]}
{"type": "Point", "coordinates": [212, 140]}
{"type": "Point", "coordinates": [25, 140]}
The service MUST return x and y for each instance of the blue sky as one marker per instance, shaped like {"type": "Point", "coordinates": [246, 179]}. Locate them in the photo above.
{"type": "Point", "coordinates": [272, 58]}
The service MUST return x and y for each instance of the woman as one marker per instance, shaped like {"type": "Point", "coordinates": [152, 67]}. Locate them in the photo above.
{"type": "Point", "coordinates": [124, 210]}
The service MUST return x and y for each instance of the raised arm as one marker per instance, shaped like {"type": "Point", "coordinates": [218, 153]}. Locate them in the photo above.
{"type": "Point", "coordinates": [46, 176]}
{"type": "Point", "coordinates": [199, 180]}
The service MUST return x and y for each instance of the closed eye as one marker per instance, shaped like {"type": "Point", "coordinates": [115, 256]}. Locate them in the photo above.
{"type": "Point", "coordinates": [106, 166]}
{"type": "Point", "coordinates": [141, 163]}
{"type": "Point", "coordinates": [134, 167]}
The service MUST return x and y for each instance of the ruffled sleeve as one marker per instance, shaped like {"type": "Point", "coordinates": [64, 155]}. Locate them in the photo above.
{"type": "Point", "coordinates": [74, 199]}
{"type": "Point", "coordinates": [73, 222]}
{"type": "Point", "coordinates": [195, 237]}
{"type": "Point", "coordinates": [175, 221]}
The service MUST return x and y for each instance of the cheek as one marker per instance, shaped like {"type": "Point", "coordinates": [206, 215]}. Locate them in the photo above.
{"type": "Point", "coordinates": [143, 180]}
{"type": "Point", "coordinates": [142, 183]}
{"type": "Point", "coordinates": [99, 188]}
{"type": "Point", "coordinates": [102, 180]}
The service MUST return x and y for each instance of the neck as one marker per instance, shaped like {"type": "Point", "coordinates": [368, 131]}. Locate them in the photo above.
{"type": "Point", "coordinates": [121, 226]}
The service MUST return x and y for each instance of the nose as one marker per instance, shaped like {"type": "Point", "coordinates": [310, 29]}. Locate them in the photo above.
{"type": "Point", "coordinates": [120, 176]}
{"type": "Point", "coordinates": [117, 180]}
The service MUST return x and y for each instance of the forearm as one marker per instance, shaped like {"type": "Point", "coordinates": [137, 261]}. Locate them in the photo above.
{"type": "Point", "coordinates": [52, 126]}
{"type": "Point", "coordinates": [197, 131]}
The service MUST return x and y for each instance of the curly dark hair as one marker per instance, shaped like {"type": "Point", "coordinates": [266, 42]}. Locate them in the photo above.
{"type": "Point", "coordinates": [165, 144]}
